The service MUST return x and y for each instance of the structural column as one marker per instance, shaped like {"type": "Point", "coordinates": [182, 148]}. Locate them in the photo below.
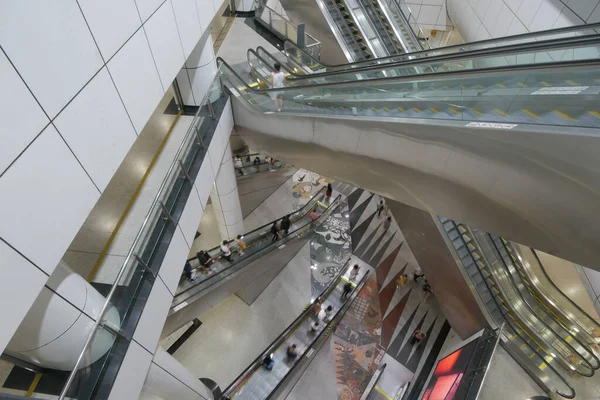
{"type": "Point", "coordinates": [198, 72]}
{"type": "Point", "coordinates": [225, 199]}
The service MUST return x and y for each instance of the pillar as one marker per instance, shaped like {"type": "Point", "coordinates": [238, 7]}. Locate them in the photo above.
{"type": "Point", "coordinates": [169, 379]}
{"type": "Point", "coordinates": [198, 71]}
{"type": "Point", "coordinates": [225, 199]}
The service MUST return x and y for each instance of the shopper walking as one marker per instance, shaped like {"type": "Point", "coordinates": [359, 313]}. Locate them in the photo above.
{"type": "Point", "coordinates": [354, 272]}
{"type": "Point", "coordinates": [277, 82]}
{"type": "Point", "coordinates": [380, 208]}
{"type": "Point", "coordinates": [347, 290]}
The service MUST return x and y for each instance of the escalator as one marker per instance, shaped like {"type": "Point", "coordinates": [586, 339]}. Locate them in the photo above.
{"type": "Point", "coordinates": [540, 286]}
{"type": "Point", "coordinates": [345, 30]}
{"type": "Point", "coordinates": [300, 58]}
{"type": "Point", "coordinates": [258, 381]}
{"type": "Point", "coordinates": [402, 121]}
{"type": "Point", "coordinates": [259, 242]}
{"type": "Point", "coordinates": [523, 343]}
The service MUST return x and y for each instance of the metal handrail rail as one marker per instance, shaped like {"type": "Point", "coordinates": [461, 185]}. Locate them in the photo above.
{"type": "Point", "coordinates": [293, 326]}
{"type": "Point", "coordinates": [383, 4]}
{"type": "Point", "coordinates": [424, 76]}
{"type": "Point", "coordinates": [409, 26]}
{"type": "Point", "coordinates": [510, 50]}
{"type": "Point", "coordinates": [499, 307]}
{"type": "Point", "coordinates": [512, 283]}
{"type": "Point", "coordinates": [336, 31]}
{"type": "Point", "coordinates": [387, 34]}
{"type": "Point", "coordinates": [458, 47]}
{"type": "Point", "coordinates": [131, 253]}
{"type": "Point", "coordinates": [360, 27]}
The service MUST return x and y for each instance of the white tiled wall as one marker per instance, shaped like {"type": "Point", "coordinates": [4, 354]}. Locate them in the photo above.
{"type": "Point", "coordinates": [429, 14]}
{"type": "Point", "coordinates": [78, 81]}
{"type": "Point", "coordinates": [484, 19]}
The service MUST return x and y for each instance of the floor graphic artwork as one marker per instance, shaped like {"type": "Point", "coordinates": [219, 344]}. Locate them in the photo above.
{"type": "Point", "coordinates": [356, 343]}
{"type": "Point", "coordinates": [330, 247]}
{"type": "Point", "coordinates": [401, 308]}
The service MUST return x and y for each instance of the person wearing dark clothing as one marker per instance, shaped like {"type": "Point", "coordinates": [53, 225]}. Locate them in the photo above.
{"type": "Point", "coordinates": [203, 258]}
{"type": "Point", "coordinates": [427, 289]}
{"type": "Point", "coordinates": [275, 232]}
{"type": "Point", "coordinates": [291, 352]}
{"type": "Point", "coordinates": [328, 192]}
{"type": "Point", "coordinates": [380, 208]}
{"type": "Point", "coordinates": [248, 159]}
{"type": "Point", "coordinates": [285, 224]}
{"type": "Point", "coordinates": [417, 337]}
{"type": "Point", "coordinates": [417, 276]}
{"type": "Point", "coordinates": [268, 362]}
{"type": "Point", "coordinates": [256, 161]}
{"type": "Point", "coordinates": [187, 271]}
{"type": "Point", "coordinates": [347, 290]}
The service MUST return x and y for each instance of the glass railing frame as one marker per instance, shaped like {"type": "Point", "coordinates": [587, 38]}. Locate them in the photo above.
{"type": "Point", "coordinates": [504, 51]}
{"type": "Point", "coordinates": [498, 306]}
{"type": "Point", "coordinates": [460, 47]}
{"type": "Point", "coordinates": [514, 286]}
{"type": "Point", "coordinates": [176, 169]}
{"type": "Point", "coordinates": [545, 307]}
{"type": "Point", "coordinates": [295, 324]}
{"type": "Point", "coordinates": [201, 288]}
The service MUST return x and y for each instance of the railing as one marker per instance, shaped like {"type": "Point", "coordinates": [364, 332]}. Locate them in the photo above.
{"type": "Point", "coordinates": [402, 28]}
{"type": "Point", "coordinates": [412, 24]}
{"type": "Point", "coordinates": [138, 272]}
{"type": "Point", "coordinates": [280, 25]}
{"type": "Point", "coordinates": [259, 243]}
{"type": "Point", "coordinates": [241, 380]}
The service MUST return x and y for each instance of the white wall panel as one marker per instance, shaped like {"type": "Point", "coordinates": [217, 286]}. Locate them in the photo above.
{"type": "Point", "coordinates": [154, 316]}
{"type": "Point", "coordinates": [216, 149]}
{"type": "Point", "coordinates": [206, 12]}
{"type": "Point", "coordinates": [595, 17]}
{"type": "Point", "coordinates": [547, 15]}
{"type": "Point", "coordinates": [583, 8]}
{"type": "Point", "coordinates": [112, 22]}
{"type": "Point", "coordinates": [186, 88]}
{"type": "Point", "coordinates": [172, 265]}
{"type": "Point", "coordinates": [190, 218]}
{"type": "Point", "coordinates": [51, 47]}
{"type": "Point", "coordinates": [108, 133]}
{"type": "Point", "coordinates": [161, 30]}
{"type": "Point", "coordinates": [175, 368]}
{"type": "Point", "coordinates": [137, 80]}
{"type": "Point", "coordinates": [40, 214]}
{"type": "Point", "coordinates": [147, 7]}
{"type": "Point", "coordinates": [21, 116]}
{"type": "Point", "coordinates": [132, 373]}
{"type": "Point", "coordinates": [188, 23]}
{"type": "Point", "coordinates": [226, 123]}
{"type": "Point", "coordinates": [161, 385]}
{"type": "Point", "coordinates": [20, 283]}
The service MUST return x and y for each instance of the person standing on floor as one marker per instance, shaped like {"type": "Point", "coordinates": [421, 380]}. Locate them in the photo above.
{"type": "Point", "coordinates": [241, 244]}
{"type": "Point", "coordinates": [380, 208]}
{"type": "Point", "coordinates": [418, 337]}
{"type": "Point", "coordinates": [277, 82]}
{"type": "Point", "coordinates": [226, 250]}
{"type": "Point", "coordinates": [291, 352]}
{"type": "Point", "coordinates": [275, 232]}
{"type": "Point", "coordinates": [187, 271]}
{"type": "Point", "coordinates": [387, 223]}
{"type": "Point", "coordinates": [285, 224]}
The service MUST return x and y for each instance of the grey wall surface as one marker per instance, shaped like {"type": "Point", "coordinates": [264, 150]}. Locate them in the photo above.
{"type": "Point", "coordinates": [533, 187]}
{"type": "Point", "coordinates": [439, 266]}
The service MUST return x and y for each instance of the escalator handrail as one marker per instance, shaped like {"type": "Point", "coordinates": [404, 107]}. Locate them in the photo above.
{"type": "Point", "coordinates": [512, 281]}
{"type": "Point", "coordinates": [539, 294]}
{"type": "Point", "coordinates": [291, 327]}
{"type": "Point", "coordinates": [423, 76]}
{"type": "Point", "coordinates": [271, 246]}
{"type": "Point", "coordinates": [561, 292]}
{"type": "Point", "coordinates": [261, 58]}
{"type": "Point", "coordinates": [339, 35]}
{"type": "Point", "coordinates": [508, 323]}
{"type": "Point", "coordinates": [216, 248]}
{"type": "Point", "coordinates": [508, 50]}
{"type": "Point", "coordinates": [459, 46]}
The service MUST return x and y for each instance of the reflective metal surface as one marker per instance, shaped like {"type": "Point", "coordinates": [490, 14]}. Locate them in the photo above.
{"type": "Point", "coordinates": [531, 184]}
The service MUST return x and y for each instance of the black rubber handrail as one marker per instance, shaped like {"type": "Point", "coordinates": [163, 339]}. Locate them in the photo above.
{"type": "Point", "coordinates": [424, 76]}
{"type": "Point", "coordinates": [457, 48]}
{"type": "Point", "coordinates": [510, 50]}
{"type": "Point", "coordinates": [508, 323]}
{"type": "Point", "coordinates": [512, 281]}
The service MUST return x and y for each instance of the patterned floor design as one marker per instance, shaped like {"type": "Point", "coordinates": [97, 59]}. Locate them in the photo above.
{"type": "Point", "coordinates": [403, 309]}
